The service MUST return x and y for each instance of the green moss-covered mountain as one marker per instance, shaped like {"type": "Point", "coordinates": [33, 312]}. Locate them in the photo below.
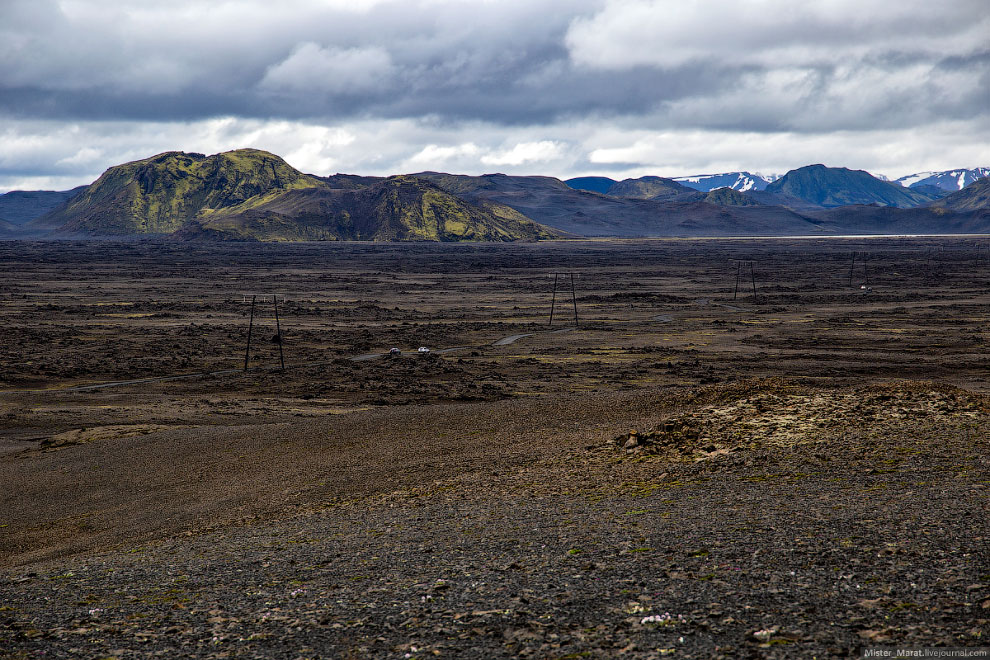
{"type": "Point", "coordinates": [838, 186]}
{"type": "Point", "coordinates": [249, 194]}
{"type": "Point", "coordinates": [158, 195]}
{"type": "Point", "coordinates": [399, 208]}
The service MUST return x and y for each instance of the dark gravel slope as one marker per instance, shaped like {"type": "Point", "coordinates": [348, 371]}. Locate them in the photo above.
{"type": "Point", "coordinates": [754, 537]}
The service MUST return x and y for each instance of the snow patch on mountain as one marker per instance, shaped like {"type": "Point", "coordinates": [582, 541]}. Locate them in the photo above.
{"type": "Point", "coordinates": [741, 181]}
{"type": "Point", "coordinates": [946, 180]}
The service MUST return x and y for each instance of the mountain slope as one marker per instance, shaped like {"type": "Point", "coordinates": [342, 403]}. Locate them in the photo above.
{"type": "Point", "coordinates": [399, 208]}
{"type": "Point", "coordinates": [838, 186]}
{"type": "Point", "coordinates": [21, 206]}
{"type": "Point", "coordinates": [553, 203]}
{"type": "Point", "coordinates": [872, 219]}
{"type": "Point", "coordinates": [950, 180]}
{"type": "Point", "coordinates": [741, 181]}
{"type": "Point", "coordinates": [974, 197]}
{"type": "Point", "coordinates": [729, 197]}
{"type": "Point", "coordinates": [598, 184]}
{"type": "Point", "coordinates": [8, 228]}
{"type": "Point", "coordinates": [158, 195]}
{"type": "Point", "coordinates": [648, 187]}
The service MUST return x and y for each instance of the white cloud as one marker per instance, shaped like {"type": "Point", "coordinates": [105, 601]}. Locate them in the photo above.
{"type": "Point", "coordinates": [894, 152]}
{"type": "Point", "coordinates": [312, 68]}
{"type": "Point", "coordinates": [543, 151]}
{"type": "Point", "coordinates": [83, 150]}
{"type": "Point", "coordinates": [436, 157]}
{"type": "Point", "coordinates": [772, 33]}
{"type": "Point", "coordinates": [85, 156]}
{"type": "Point", "coordinates": [563, 87]}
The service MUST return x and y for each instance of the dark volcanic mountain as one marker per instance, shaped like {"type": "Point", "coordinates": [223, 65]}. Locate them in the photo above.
{"type": "Point", "coordinates": [964, 212]}
{"type": "Point", "coordinates": [598, 184]}
{"type": "Point", "coordinates": [872, 219]}
{"type": "Point", "coordinates": [553, 203]}
{"type": "Point", "coordinates": [974, 197]}
{"type": "Point", "coordinates": [729, 197]}
{"type": "Point", "coordinates": [649, 187]}
{"type": "Point", "coordinates": [8, 228]}
{"type": "Point", "coordinates": [21, 206]}
{"type": "Point", "coordinates": [838, 186]}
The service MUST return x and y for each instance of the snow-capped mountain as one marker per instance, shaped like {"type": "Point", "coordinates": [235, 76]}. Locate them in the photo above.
{"type": "Point", "coordinates": [948, 180]}
{"type": "Point", "coordinates": [741, 181]}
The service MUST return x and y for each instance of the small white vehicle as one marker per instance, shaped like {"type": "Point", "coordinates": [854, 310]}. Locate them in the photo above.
{"type": "Point", "coordinates": [423, 349]}
{"type": "Point", "coordinates": [394, 351]}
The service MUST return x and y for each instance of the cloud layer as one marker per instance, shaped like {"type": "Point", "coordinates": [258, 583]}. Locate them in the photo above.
{"type": "Point", "coordinates": [619, 87]}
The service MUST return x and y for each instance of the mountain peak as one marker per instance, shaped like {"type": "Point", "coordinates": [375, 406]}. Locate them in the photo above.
{"type": "Point", "coordinates": [740, 181]}
{"type": "Point", "coordinates": [648, 187]}
{"type": "Point", "coordinates": [840, 186]}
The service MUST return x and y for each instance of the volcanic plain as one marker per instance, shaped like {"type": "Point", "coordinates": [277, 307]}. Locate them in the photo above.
{"type": "Point", "coordinates": [718, 448]}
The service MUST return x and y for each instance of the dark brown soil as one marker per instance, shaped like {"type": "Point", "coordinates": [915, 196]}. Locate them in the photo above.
{"type": "Point", "coordinates": [803, 475]}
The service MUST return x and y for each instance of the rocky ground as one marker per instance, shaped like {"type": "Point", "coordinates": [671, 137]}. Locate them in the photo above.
{"type": "Point", "coordinates": [697, 486]}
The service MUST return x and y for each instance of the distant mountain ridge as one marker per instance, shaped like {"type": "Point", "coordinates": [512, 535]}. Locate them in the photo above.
{"type": "Point", "coordinates": [950, 180]}
{"type": "Point", "coordinates": [686, 213]}
{"type": "Point", "coordinates": [648, 187]}
{"type": "Point", "coordinates": [598, 184]}
{"type": "Point", "coordinates": [21, 206]}
{"type": "Point", "coordinates": [974, 197]}
{"type": "Point", "coordinates": [838, 186]}
{"type": "Point", "coordinates": [741, 181]}
{"type": "Point", "coordinates": [248, 194]}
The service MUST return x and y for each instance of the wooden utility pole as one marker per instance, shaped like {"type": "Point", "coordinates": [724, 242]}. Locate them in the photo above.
{"type": "Point", "coordinates": [278, 333]}
{"type": "Point", "coordinates": [735, 291]}
{"type": "Point", "coordinates": [553, 300]}
{"type": "Point", "coordinates": [752, 272]}
{"type": "Point", "coordinates": [574, 300]}
{"type": "Point", "coordinates": [247, 351]}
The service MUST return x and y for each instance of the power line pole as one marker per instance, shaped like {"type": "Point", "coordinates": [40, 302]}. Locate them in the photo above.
{"type": "Point", "coordinates": [735, 291]}
{"type": "Point", "coordinates": [752, 272]}
{"type": "Point", "coordinates": [553, 300]}
{"type": "Point", "coordinates": [278, 333]}
{"type": "Point", "coordinates": [574, 300]}
{"type": "Point", "coordinates": [247, 351]}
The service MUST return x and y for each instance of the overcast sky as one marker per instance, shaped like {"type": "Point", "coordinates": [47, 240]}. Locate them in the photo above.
{"type": "Point", "coordinates": [613, 87]}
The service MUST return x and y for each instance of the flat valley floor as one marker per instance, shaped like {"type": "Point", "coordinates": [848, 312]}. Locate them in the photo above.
{"type": "Point", "coordinates": [686, 469]}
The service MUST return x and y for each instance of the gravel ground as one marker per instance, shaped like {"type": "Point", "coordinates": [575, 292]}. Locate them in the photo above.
{"type": "Point", "coordinates": [753, 520]}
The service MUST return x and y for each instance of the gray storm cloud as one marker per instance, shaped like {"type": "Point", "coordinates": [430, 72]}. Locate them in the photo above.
{"type": "Point", "coordinates": [483, 82]}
